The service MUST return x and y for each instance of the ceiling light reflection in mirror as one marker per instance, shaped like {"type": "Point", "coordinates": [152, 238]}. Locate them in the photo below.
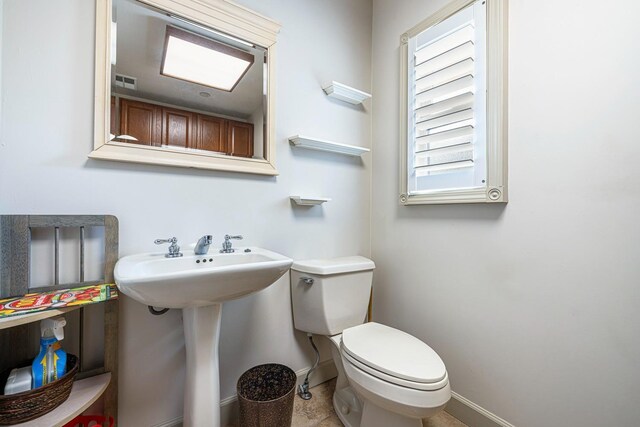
{"type": "Point", "coordinates": [197, 59]}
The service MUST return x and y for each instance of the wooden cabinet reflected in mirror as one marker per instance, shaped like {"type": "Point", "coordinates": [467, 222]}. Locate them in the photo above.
{"type": "Point", "coordinates": [211, 135]}
{"type": "Point", "coordinates": [159, 125]}
{"type": "Point", "coordinates": [240, 138]}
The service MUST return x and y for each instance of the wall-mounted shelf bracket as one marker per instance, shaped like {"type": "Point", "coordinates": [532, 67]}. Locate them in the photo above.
{"type": "Point", "coordinates": [323, 145]}
{"type": "Point", "coordinates": [345, 93]}
{"type": "Point", "coordinates": [309, 201]}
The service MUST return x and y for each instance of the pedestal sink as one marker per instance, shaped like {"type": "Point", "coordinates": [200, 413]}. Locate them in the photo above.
{"type": "Point", "coordinates": [199, 284]}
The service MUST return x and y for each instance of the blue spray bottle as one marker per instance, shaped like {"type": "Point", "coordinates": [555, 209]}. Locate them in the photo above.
{"type": "Point", "coordinates": [51, 363]}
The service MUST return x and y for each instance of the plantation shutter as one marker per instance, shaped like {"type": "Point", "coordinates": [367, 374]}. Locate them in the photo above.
{"type": "Point", "coordinates": [453, 105]}
{"type": "Point", "coordinates": [445, 86]}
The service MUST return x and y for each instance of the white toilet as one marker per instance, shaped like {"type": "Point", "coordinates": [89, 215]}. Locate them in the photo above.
{"type": "Point", "coordinates": [386, 377]}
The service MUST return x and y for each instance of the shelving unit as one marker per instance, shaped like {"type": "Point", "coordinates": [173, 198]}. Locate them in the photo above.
{"type": "Point", "coordinates": [83, 394]}
{"type": "Point", "coordinates": [324, 145]}
{"type": "Point", "coordinates": [23, 319]}
{"type": "Point", "coordinates": [19, 333]}
{"type": "Point", "coordinates": [345, 93]}
{"type": "Point", "coordinates": [309, 201]}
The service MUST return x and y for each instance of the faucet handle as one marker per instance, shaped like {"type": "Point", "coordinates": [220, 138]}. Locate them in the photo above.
{"type": "Point", "coordinates": [171, 240]}
{"type": "Point", "coordinates": [226, 245]}
{"type": "Point", "coordinates": [174, 249]}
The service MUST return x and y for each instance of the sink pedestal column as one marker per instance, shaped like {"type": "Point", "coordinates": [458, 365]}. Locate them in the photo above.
{"type": "Point", "coordinates": [202, 383]}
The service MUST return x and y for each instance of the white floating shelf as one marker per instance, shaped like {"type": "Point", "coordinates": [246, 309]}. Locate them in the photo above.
{"type": "Point", "coordinates": [83, 394]}
{"type": "Point", "coordinates": [322, 145]}
{"type": "Point", "coordinates": [309, 201]}
{"type": "Point", "coordinates": [345, 93]}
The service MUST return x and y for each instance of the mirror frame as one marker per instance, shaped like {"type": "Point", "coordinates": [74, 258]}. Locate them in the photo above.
{"type": "Point", "coordinates": [221, 15]}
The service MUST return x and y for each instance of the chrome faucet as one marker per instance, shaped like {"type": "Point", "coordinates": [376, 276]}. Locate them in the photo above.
{"type": "Point", "coordinates": [202, 247]}
{"type": "Point", "coordinates": [174, 249]}
{"type": "Point", "coordinates": [226, 245]}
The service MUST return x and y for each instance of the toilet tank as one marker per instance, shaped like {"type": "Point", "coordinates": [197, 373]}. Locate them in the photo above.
{"type": "Point", "coordinates": [338, 297]}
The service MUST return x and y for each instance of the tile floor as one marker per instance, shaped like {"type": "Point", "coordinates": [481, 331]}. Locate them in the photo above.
{"type": "Point", "coordinates": [318, 412]}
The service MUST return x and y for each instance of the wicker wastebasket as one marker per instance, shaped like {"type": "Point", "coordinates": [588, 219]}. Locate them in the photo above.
{"type": "Point", "coordinates": [265, 394]}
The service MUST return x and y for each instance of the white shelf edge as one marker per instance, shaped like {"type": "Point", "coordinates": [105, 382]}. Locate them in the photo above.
{"type": "Point", "coordinates": [323, 145]}
{"type": "Point", "coordinates": [309, 201]}
{"type": "Point", "coordinates": [345, 93]}
{"type": "Point", "coordinates": [21, 319]}
{"type": "Point", "coordinates": [83, 394]}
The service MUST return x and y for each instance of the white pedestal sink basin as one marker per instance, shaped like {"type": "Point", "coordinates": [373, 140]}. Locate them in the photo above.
{"type": "Point", "coordinates": [199, 284]}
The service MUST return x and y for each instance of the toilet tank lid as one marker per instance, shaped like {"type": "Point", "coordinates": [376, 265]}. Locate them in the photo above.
{"type": "Point", "coordinates": [324, 267]}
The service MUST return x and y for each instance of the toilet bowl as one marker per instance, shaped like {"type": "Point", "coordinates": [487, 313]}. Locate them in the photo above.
{"type": "Point", "coordinates": [386, 377]}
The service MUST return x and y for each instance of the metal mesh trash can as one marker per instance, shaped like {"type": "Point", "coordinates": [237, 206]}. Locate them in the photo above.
{"type": "Point", "coordinates": [265, 394]}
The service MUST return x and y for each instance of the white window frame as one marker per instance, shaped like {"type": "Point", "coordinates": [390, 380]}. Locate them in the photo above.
{"type": "Point", "coordinates": [495, 188]}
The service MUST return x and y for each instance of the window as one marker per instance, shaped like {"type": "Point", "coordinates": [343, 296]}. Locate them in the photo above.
{"type": "Point", "coordinates": [453, 106]}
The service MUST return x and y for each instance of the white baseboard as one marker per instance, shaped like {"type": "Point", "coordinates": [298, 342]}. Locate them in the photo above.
{"type": "Point", "coordinates": [326, 371]}
{"type": "Point", "coordinates": [473, 415]}
{"type": "Point", "coordinates": [176, 422]}
{"type": "Point", "coordinates": [460, 407]}
{"type": "Point", "coordinates": [229, 407]}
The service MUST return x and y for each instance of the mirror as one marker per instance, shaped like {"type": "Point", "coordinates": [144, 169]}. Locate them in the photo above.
{"type": "Point", "coordinates": [184, 83]}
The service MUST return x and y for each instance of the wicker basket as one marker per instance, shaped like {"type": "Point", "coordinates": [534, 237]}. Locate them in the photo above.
{"type": "Point", "coordinates": [25, 406]}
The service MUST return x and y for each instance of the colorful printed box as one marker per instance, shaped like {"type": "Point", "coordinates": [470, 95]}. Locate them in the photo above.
{"type": "Point", "coordinates": [35, 302]}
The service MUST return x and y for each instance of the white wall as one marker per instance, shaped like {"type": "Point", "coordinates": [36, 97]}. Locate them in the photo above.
{"type": "Point", "coordinates": [533, 306]}
{"type": "Point", "coordinates": [47, 129]}
{"type": "Point", "coordinates": [1, 37]}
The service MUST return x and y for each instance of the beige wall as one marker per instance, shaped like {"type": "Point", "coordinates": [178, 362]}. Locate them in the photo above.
{"type": "Point", "coordinates": [533, 306]}
{"type": "Point", "coordinates": [47, 131]}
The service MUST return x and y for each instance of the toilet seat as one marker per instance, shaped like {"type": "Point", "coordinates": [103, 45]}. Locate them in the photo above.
{"type": "Point", "coordinates": [393, 356]}
{"type": "Point", "coordinates": [346, 358]}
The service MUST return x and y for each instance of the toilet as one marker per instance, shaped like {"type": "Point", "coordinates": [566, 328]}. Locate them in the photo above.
{"type": "Point", "coordinates": [386, 377]}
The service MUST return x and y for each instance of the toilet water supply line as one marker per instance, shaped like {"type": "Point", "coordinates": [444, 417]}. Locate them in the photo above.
{"type": "Point", "coordinates": [303, 389]}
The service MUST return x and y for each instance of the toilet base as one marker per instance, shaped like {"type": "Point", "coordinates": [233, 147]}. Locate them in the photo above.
{"type": "Point", "coordinates": [374, 416]}
{"type": "Point", "coordinates": [353, 404]}
{"type": "Point", "coordinates": [347, 407]}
